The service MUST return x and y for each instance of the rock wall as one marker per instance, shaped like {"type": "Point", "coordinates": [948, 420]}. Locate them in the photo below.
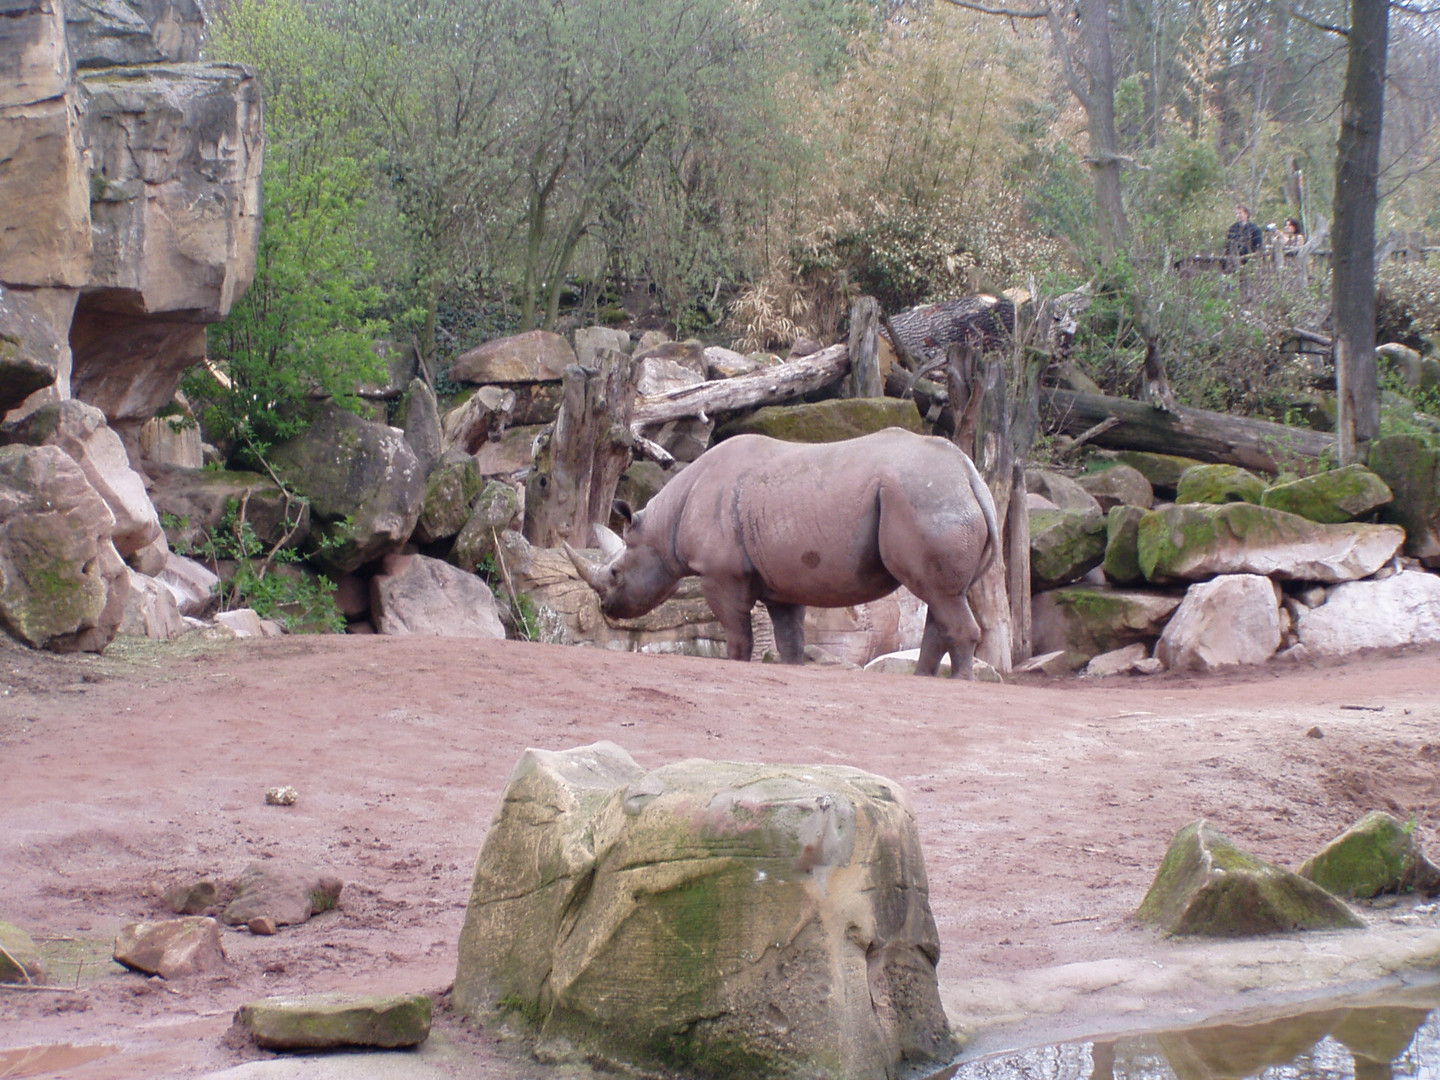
{"type": "Point", "coordinates": [129, 201]}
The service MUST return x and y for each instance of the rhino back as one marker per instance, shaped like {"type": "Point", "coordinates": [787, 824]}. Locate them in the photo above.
{"type": "Point", "coordinates": [807, 517]}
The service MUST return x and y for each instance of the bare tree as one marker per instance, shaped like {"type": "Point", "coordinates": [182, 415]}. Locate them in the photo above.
{"type": "Point", "coordinates": [1090, 76]}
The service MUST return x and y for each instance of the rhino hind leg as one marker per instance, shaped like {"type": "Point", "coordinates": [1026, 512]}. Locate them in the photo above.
{"type": "Point", "coordinates": [950, 627]}
{"type": "Point", "coordinates": [789, 623]}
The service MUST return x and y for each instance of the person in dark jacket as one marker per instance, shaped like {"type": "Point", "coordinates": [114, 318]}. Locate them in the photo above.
{"type": "Point", "coordinates": [1244, 238]}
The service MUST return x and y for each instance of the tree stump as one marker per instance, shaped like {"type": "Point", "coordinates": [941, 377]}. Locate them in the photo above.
{"type": "Point", "coordinates": [865, 380]}
{"type": "Point", "coordinates": [576, 470]}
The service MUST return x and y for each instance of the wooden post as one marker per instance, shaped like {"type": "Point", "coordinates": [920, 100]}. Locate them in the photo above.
{"type": "Point", "coordinates": [573, 479]}
{"type": "Point", "coordinates": [865, 380]}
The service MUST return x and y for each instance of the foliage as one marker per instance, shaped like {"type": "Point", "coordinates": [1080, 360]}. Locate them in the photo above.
{"type": "Point", "coordinates": [1408, 304]}
{"type": "Point", "coordinates": [522, 613]}
{"type": "Point", "coordinates": [304, 603]}
{"type": "Point", "coordinates": [303, 330]}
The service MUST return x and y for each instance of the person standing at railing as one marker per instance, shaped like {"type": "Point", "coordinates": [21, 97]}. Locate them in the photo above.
{"type": "Point", "coordinates": [1244, 238]}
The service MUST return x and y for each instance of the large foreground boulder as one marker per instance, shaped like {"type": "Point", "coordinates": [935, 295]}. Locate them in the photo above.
{"type": "Point", "coordinates": [1208, 886]}
{"type": "Point", "coordinates": [1194, 542]}
{"type": "Point", "coordinates": [63, 585]}
{"type": "Point", "coordinates": [364, 484]}
{"type": "Point", "coordinates": [723, 919]}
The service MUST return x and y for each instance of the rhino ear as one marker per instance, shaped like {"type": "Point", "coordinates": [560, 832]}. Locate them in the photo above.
{"type": "Point", "coordinates": [611, 546]}
{"type": "Point", "coordinates": [623, 510]}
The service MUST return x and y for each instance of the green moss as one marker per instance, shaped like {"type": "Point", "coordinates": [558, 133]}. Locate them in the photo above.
{"type": "Point", "coordinates": [1219, 484]}
{"type": "Point", "coordinates": [1332, 497]}
{"type": "Point", "coordinates": [1377, 855]}
{"type": "Point", "coordinates": [1122, 554]}
{"type": "Point", "coordinates": [826, 421]}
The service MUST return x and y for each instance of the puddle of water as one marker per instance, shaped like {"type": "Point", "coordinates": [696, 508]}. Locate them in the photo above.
{"type": "Point", "coordinates": [47, 1060]}
{"type": "Point", "coordinates": [1378, 1041]}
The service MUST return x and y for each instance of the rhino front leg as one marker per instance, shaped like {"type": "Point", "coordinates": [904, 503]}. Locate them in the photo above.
{"type": "Point", "coordinates": [731, 603]}
{"type": "Point", "coordinates": [789, 623]}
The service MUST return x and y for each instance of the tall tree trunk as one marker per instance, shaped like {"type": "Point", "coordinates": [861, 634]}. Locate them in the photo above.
{"type": "Point", "coordinates": [1353, 234]}
{"type": "Point", "coordinates": [1099, 104]}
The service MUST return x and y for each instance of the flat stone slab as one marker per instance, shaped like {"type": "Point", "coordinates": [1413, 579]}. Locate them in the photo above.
{"type": "Point", "coordinates": [337, 1021]}
{"type": "Point", "coordinates": [1196, 541]}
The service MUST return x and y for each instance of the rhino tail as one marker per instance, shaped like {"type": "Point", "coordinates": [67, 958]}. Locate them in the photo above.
{"type": "Point", "coordinates": [981, 491]}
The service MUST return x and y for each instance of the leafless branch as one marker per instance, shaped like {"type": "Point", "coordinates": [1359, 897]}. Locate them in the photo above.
{"type": "Point", "coordinates": [1329, 28]}
{"type": "Point", "coordinates": [1009, 13]}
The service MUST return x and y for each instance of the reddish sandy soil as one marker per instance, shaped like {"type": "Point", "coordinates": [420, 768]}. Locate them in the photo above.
{"type": "Point", "coordinates": [1044, 808]}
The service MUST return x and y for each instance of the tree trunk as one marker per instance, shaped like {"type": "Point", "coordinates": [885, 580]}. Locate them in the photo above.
{"type": "Point", "coordinates": [982, 430]}
{"type": "Point", "coordinates": [1195, 433]}
{"type": "Point", "coordinates": [865, 380]}
{"type": "Point", "coordinates": [1352, 264]}
{"type": "Point", "coordinates": [1099, 104]}
{"type": "Point", "coordinates": [778, 384]}
{"type": "Point", "coordinates": [575, 474]}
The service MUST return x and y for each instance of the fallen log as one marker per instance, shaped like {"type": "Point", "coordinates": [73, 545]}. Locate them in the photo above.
{"type": "Point", "coordinates": [1195, 433]}
{"type": "Point", "coordinates": [775, 385]}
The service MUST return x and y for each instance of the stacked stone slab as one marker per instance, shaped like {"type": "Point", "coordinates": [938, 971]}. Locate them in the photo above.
{"type": "Point", "coordinates": [1215, 578]}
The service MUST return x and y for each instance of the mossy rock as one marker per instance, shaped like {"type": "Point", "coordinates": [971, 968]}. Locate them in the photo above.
{"type": "Point", "coordinates": [1209, 887]}
{"type": "Point", "coordinates": [19, 956]}
{"type": "Point", "coordinates": [826, 421]}
{"type": "Point", "coordinates": [492, 513]}
{"type": "Point", "coordinates": [1162, 470]}
{"type": "Point", "coordinates": [1122, 546]}
{"type": "Point", "coordinates": [1411, 469]}
{"type": "Point", "coordinates": [1330, 497]}
{"type": "Point", "coordinates": [335, 1021]}
{"type": "Point", "coordinates": [450, 492]}
{"type": "Point", "coordinates": [640, 483]}
{"type": "Point", "coordinates": [1115, 484]}
{"type": "Point", "coordinates": [1065, 545]}
{"type": "Point", "coordinates": [1377, 854]}
{"type": "Point", "coordinates": [1197, 541]}
{"type": "Point", "coordinates": [1219, 484]}
{"type": "Point", "coordinates": [1094, 619]}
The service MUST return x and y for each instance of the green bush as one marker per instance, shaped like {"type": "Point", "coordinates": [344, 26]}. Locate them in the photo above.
{"type": "Point", "coordinates": [1407, 305]}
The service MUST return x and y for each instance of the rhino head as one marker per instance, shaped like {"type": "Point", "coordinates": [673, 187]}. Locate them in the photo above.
{"type": "Point", "coordinates": [632, 577]}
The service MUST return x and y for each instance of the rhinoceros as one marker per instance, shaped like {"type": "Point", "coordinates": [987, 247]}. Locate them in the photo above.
{"type": "Point", "coordinates": [795, 525]}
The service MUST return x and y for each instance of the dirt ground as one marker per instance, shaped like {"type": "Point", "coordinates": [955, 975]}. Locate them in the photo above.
{"type": "Point", "coordinates": [1044, 809]}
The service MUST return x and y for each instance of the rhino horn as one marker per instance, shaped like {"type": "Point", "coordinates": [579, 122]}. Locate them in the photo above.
{"type": "Point", "coordinates": [611, 546]}
{"type": "Point", "coordinates": [583, 567]}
